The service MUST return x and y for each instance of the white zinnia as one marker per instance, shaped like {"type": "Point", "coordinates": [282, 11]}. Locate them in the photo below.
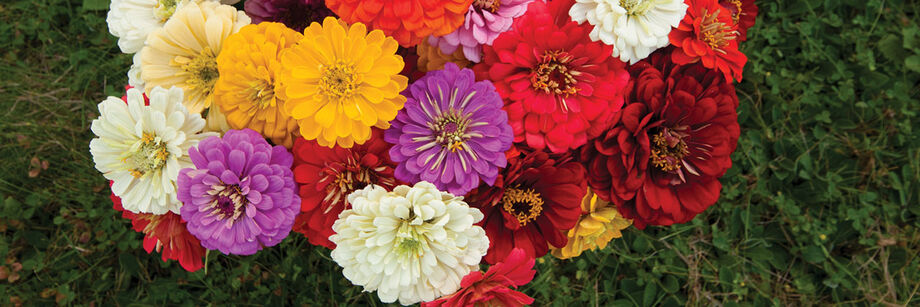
{"type": "Point", "coordinates": [132, 20]}
{"type": "Point", "coordinates": [142, 148]}
{"type": "Point", "coordinates": [134, 73]}
{"type": "Point", "coordinates": [635, 28]}
{"type": "Point", "coordinates": [414, 244]}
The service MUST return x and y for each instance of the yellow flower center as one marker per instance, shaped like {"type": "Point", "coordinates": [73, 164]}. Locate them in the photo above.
{"type": "Point", "coordinates": [165, 9]}
{"type": "Point", "coordinates": [669, 149]}
{"type": "Point", "coordinates": [202, 69]}
{"type": "Point", "coordinates": [487, 5]}
{"type": "Point", "coordinates": [636, 7]}
{"type": "Point", "coordinates": [715, 33]}
{"type": "Point", "coordinates": [736, 15]}
{"type": "Point", "coordinates": [525, 205]}
{"type": "Point", "coordinates": [338, 81]}
{"type": "Point", "coordinates": [450, 130]}
{"type": "Point", "coordinates": [228, 202]}
{"type": "Point", "coordinates": [261, 93]}
{"type": "Point", "coordinates": [150, 155]}
{"type": "Point", "coordinates": [553, 75]}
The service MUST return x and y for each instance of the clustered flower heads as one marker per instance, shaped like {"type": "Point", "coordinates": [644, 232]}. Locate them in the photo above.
{"type": "Point", "coordinates": [412, 244]}
{"type": "Point", "coordinates": [418, 139]}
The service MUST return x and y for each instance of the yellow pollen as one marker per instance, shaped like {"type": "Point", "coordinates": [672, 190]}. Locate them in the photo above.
{"type": "Point", "coordinates": [489, 5]}
{"type": "Point", "coordinates": [668, 150]}
{"type": "Point", "coordinates": [458, 145]}
{"type": "Point", "coordinates": [525, 205]}
{"type": "Point", "coordinates": [150, 155]}
{"type": "Point", "coordinates": [636, 7]}
{"type": "Point", "coordinates": [715, 33]}
{"type": "Point", "coordinates": [737, 15]}
{"type": "Point", "coordinates": [553, 75]}
{"type": "Point", "coordinates": [165, 9]}
{"type": "Point", "coordinates": [202, 70]}
{"type": "Point", "coordinates": [338, 81]}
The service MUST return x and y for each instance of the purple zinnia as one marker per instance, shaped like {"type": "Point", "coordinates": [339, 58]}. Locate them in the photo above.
{"type": "Point", "coordinates": [241, 194]}
{"type": "Point", "coordinates": [452, 131]}
{"type": "Point", "coordinates": [485, 20]}
{"type": "Point", "coordinates": [295, 14]}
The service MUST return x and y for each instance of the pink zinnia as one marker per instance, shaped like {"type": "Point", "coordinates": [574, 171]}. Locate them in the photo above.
{"type": "Point", "coordinates": [485, 20]}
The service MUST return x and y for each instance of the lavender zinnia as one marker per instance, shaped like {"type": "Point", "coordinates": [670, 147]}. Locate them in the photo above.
{"type": "Point", "coordinates": [241, 195]}
{"type": "Point", "coordinates": [452, 131]}
{"type": "Point", "coordinates": [295, 14]}
{"type": "Point", "coordinates": [485, 20]}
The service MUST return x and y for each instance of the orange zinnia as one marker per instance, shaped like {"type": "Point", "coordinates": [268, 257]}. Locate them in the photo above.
{"type": "Point", "coordinates": [408, 21]}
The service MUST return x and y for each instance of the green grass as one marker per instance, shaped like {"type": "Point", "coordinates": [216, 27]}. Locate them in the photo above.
{"type": "Point", "coordinates": [821, 206]}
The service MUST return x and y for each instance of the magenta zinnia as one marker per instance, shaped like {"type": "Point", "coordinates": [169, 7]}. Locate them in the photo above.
{"type": "Point", "coordinates": [241, 195]}
{"type": "Point", "coordinates": [452, 131]}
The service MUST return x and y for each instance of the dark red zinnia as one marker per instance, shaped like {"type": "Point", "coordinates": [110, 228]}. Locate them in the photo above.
{"type": "Point", "coordinates": [494, 288]}
{"type": "Point", "coordinates": [533, 200]}
{"type": "Point", "coordinates": [165, 233]}
{"type": "Point", "coordinates": [744, 15]}
{"type": "Point", "coordinates": [708, 35]}
{"type": "Point", "coordinates": [661, 160]}
{"type": "Point", "coordinates": [326, 177]}
{"type": "Point", "coordinates": [560, 88]}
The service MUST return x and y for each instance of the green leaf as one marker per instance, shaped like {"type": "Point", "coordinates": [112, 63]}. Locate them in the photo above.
{"type": "Point", "coordinates": [129, 263]}
{"type": "Point", "coordinates": [913, 62]}
{"type": "Point", "coordinates": [95, 5]}
{"type": "Point", "coordinates": [814, 254]}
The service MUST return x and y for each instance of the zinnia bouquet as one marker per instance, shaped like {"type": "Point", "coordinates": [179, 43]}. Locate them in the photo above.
{"type": "Point", "coordinates": [418, 140]}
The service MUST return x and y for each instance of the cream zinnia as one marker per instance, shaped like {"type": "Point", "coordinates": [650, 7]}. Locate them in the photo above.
{"type": "Point", "coordinates": [413, 244]}
{"type": "Point", "coordinates": [142, 148]}
{"type": "Point", "coordinates": [635, 28]}
{"type": "Point", "coordinates": [183, 53]}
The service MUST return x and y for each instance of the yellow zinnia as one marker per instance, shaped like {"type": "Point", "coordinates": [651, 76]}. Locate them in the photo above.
{"type": "Point", "coordinates": [600, 222]}
{"type": "Point", "coordinates": [340, 81]}
{"type": "Point", "coordinates": [245, 91]}
{"type": "Point", "coordinates": [183, 53]}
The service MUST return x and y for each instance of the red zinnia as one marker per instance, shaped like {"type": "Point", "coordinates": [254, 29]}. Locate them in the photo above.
{"type": "Point", "coordinates": [560, 88]}
{"type": "Point", "coordinates": [532, 201]}
{"type": "Point", "coordinates": [709, 35]}
{"type": "Point", "coordinates": [167, 234]}
{"type": "Point", "coordinates": [407, 21]}
{"type": "Point", "coordinates": [744, 15]}
{"type": "Point", "coordinates": [661, 161]}
{"type": "Point", "coordinates": [326, 177]}
{"type": "Point", "coordinates": [493, 287]}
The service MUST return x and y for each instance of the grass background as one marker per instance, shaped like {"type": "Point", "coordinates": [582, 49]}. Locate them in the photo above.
{"type": "Point", "coordinates": [821, 206]}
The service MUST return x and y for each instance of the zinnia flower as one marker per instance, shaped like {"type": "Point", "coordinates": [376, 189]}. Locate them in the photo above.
{"type": "Point", "coordinates": [340, 81]}
{"type": "Point", "coordinates": [485, 20]}
{"type": "Point", "coordinates": [414, 243]}
{"type": "Point", "coordinates": [408, 21]}
{"type": "Point", "coordinates": [431, 58]}
{"type": "Point", "coordinates": [494, 287]}
{"type": "Point", "coordinates": [534, 200]}
{"type": "Point", "coordinates": [560, 89]}
{"type": "Point", "coordinates": [134, 73]}
{"type": "Point", "coordinates": [744, 15]}
{"type": "Point", "coordinates": [132, 20]}
{"type": "Point", "coordinates": [707, 34]}
{"type": "Point", "coordinates": [295, 14]}
{"type": "Point", "coordinates": [240, 196]}
{"type": "Point", "coordinates": [600, 222]}
{"type": "Point", "coordinates": [661, 161]}
{"type": "Point", "coordinates": [326, 177]}
{"type": "Point", "coordinates": [245, 90]}
{"type": "Point", "coordinates": [452, 132]}
{"type": "Point", "coordinates": [167, 235]}
{"type": "Point", "coordinates": [635, 28]}
{"type": "Point", "coordinates": [142, 148]}
{"type": "Point", "coordinates": [183, 53]}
